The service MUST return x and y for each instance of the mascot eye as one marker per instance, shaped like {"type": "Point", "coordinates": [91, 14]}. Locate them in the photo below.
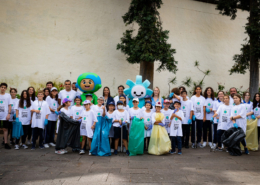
{"type": "Point", "coordinates": [142, 93]}
{"type": "Point", "coordinates": [84, 82]}
{"type": "Point", "coordinates": [134, 92]}
{"type": "Point", "coordinates": [89, 82]}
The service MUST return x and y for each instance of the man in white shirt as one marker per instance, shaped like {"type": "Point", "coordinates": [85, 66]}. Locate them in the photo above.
{"type": "Point", "coordinates": [120, 92]}
{"type": "Point", "coordinates": [232, 92]}
{"type": "Point", "coordinates": [78, 93]}
{"type": "Point", "coordinates": [67, 93]}
{"type": "Point", "coordinates": [49, 85]}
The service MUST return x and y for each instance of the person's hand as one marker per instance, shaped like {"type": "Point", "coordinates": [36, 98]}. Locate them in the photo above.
{"type": "Point", "coordinates": [204, 119]}
{"type": "Point", "coordinates": [235, 125]}
{"type": "Point", "coordinates": [57, 113]}
{"type": "Point", "coordinates": [189, 121]}
{"type": "Point", "coordinates": [253, 116]}
{"type": "Point", "coordinates": [161, 124]}
{"type": "Point", "coordinates": [124, 123]}
{"type": "Point", "coordinates": [120, 122]}
{"type": "Point", "coordinates": [17, 120]}
{"type": "Point", "coordinates": [14, 116]}
{"type": "Point", "coordinates": [217, 120]}
{"type": "Point", "coordinates": [80, 120]}
{"type": "Point", "coordinates": [141, 118]}
{"type": "Point", "coordinates": [171, 95]}
{"type": "Point", "coordinates": [145, 127]}
{"type": "Point", "coordinates": [8, 117]}
{"type": "Point", "coordinates": [169, 125]}
{"type": "Point", "coordinates": [212, 120]}
{"type": "Point", "coordinates": [208, 110]}
{"type": "Point", "coordinates": [45, 122]}
{"type": "Point", "coordinates": [37, 111]}
{"type": "Point", "coordinates": [93, 127]}
{"type": "Point", "coordinates": [31, 122]}
{"type": "Point", "coordinates": [150, 127]}
{"type": "Point", "coordinates": [132, 117]}
{"type": "Point", "coordinates": [103, 107]}
{"type": "Point", "coordinates": [193, 117]}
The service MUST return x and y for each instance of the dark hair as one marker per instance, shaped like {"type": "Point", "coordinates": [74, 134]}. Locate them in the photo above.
{"type": "Point", "coordinates": [74, 83]}
{"type": "Point", "coordinates": [256, 103]}
{"type": "Point", "coordinates": [56, 97]}
{"type": "Point", "coordinates": [219, 92]}
{"type": "Point", "coordinates": [233, 88]}
{"type": "Point", "coordinates": [244, 94]}
{"type": "Point", "coordinates": [13, 89]}
{"type": "Point", "coordinates": [44, 97]}
{"type": "Point", "coordinates": [197, 86]}
{"type": "Point", "coordinates": [212, 96]}
{"type": "Point", "coordinates": [184, 91]}
{"type": "Point", "coordinates": [108, 93]}
{"type": "Point", "coordinates": [28, 101]}
{"type": "Point", "coordinates": [67, 81]}
{"type": "Point", "coordinates": [239, 96]}
{"type": "Point", "coordinates": [49, 82]}
{"type": "Point", "coordinates": [33, 95]}
{"type": "Point", "coordinates": [120, 86]}
{"type": "Point", "coordinates": [176, 91]}
{"type": "Point", "coordinates": [124, 103]}
{"type": "Point", "coordinates": [77, 97]}
{"type": "Point", "coordinates": [3, 84]}
{"type": "Point", "coordinates": [182, 87]}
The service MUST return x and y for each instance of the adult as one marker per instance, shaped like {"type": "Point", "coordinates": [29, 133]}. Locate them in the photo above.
{"type": "Point", "coordinates": [67, 93]}
{"type": "Point", "coordinates": [49, 85]}
{"type": "Point", "coordinates": [232, 92]}
{"type": "Point", "coordinates": [120, 90]}
{"type": "Point", "coordinates": [107, 97]}
{"type": "Point", "coordinates": [156, 97]}
{"type": "Point", "coordinates": [78, 93]}
{"type": "Point", "coordinates": [5, 111]}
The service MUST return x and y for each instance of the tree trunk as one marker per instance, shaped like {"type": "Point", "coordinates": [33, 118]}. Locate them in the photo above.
{"type": "Point", "coordinates": [147, 71]}
{"type": "Point", "coordinates": [254, 66]}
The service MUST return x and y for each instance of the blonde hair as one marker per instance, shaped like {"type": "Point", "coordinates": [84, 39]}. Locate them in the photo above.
{"type": "Point", "coordinates": [159, 97]}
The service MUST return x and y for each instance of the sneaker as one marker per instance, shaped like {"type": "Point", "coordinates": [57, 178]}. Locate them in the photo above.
{"type": "Point", "coordinates": [52, 144]}
{"type": "Point", "coordinates": [127, 152]}
{"type": "Point", "coordinates": [112, 150]}
{"type": "Point", "coordinates": [7, 146]}
{"type": "Point", "coordinates": [214, 145]}
{"type": "Point", "coordinates": [219, 149]}
{"type": "Point", "coordinates": [29, 143]}
{"type": "Point", "coordinates": [65, 151]}
{"type": "Point", "coordinates": [173, 152]}
{"type": "Point", "coordinates": [115, 152]}
{"type": "Point", "coordinates": [200, 145]}
{"type": "Point", "coordinates": [59, 152]}
{"type": "Point", "coordinates": [124, 150]}
{"type": "Point", "coordinates": [16, 147]}
{"type": "Point", "coordinates": [119, 148]}
{"type": "Point", "coordinates": [81, 152]}
{"type": "Point", "coordinates": [204, 144]}
{"type": "Point", "coordinates": [179, 152]}
{"type": "Point", "coordinates": [24, 146]}
{"type": "Point", "coordinates": [41, 147]}
{"type": "Point", "coordinates": [222, 146]}
{"type": "Point", "coordinates": [46, 145]}
{"type": "Point", "coordinates": [246, 151]}
{"type": "Point", "coordinates": [33, 148]}
{"type": "Point", "coordinates": [21, 144]}
{"type": "Point", "coordinates": [193, 145]}
{"type": "Point", "coordinates": [210, 144]}
{"type": "Point", "coordinates": [226, 150]}
{"type": "Point", "coordinates": [89, 153]}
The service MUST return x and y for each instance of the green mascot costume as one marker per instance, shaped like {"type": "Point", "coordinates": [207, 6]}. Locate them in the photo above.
{"type": "Point", "coordinates": [89, 83]}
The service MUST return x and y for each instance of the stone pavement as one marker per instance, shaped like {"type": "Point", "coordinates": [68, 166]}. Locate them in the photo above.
{"type": "Point", "coordinates": [194, 166]}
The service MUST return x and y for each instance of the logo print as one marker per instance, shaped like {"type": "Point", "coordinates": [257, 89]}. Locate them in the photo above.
{"type": "Point", "coordinates": [24, 107]}
{"type": "Point", "coordinates": [183, 107]}
{"type": "Point", "coordinates": [99, 114]}
{"type": "Point", "coordinates": [176, 119]}
{"type": "Point", "coordinates": [54, 104]}
{"type": "Point", "coordinates": [84, 118]}
{"type": "Point", "coordinates": [39, 108]}
{"type": "Point", "coordinates": [12, 105]}
{"type": "Point", "coordinates": [77, 113]}
{"type": "Point", "coordinates": [235, 111]}
{"type": "Point", "coordinates": [148, 119]}
{"type": "Point", "coordinates": [167, 117]}
{"type": "Point", "coordinates": [68, 96]}
{"type": "Point", "coordinates": [225, 111]}
{"type": "Point", "coordinates": [198, 103]}
{"type": "Point", "coordinates": [209, 104]}
{"type": "Point", "coordinates": [1, 102]}
{"type": "Point", "coordinates": [256, 109]}
{"type": "Point", "coordinates": [122, 119]}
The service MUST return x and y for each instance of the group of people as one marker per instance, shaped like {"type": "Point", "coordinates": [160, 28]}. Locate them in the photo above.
{"type": "Point", "coordinates": [39, 116]}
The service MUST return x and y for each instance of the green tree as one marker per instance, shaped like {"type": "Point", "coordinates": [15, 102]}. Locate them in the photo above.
{"type": "Point", "coordinates": [150, 43]}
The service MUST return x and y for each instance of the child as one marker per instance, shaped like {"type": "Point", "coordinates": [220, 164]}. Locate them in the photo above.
{"type": "Point", "coordinates": [176, 127]}
{"type": "Point", "coordinates": [23, 115]}
{"type": "Point", "coordinates": [121, 118]}
{"type": "Point", "coordinates": [224, 113]}
{"type": "Point", "coordinates": [147, 116]}
{"type": "Point", "coordinates": [134, 112]}
{"type": "Point", "coordinates": [187, 109]}
{"type": "Point", "coordinates": [40, 113]}
{"type": "Point", "coordinates": [220, 101]}
{"type": "Point", "coordinates": [65, 108]}
{"type": "Point", "coordinates": [148, 98]}
{"type": "Point", "coordinates": [14, 102]}
{"type": "Point", "coordinates": [198, 102]}
{"type": "Point", "coordinates": [88, 123]}
{"type": "Point", "coordinates": [89, 97]}
{"type": "Point", "coordinates": [52, 101]}
{"type": "Point", "coordinates": [32, 95]}
{"type": "Point", "coordinates": [248, 104]}
{"type": "Point", "coordinates": [110, 114]}
{"type": "Point", "coordinates": [123, 99]}
{"type": "Point", "coordinates": [47, 93]}
{"type": "Point", "coordinates": [99, 109]}
{"type": "Point", "coordinates": [167, 114]}
{"type": "Point", "coordinates": [208, 113]}
{"type": "Point", "coordinates": [5, 111]}
{"type": "Point", "coordinates": [238, 117]}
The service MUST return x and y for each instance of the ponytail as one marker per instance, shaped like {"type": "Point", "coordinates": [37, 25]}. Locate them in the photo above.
{"type": "Point", "coordinates": [61, 106]}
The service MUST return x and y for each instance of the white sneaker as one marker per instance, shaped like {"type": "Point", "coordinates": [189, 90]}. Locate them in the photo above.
{"type": "Point", "coordinates": [52, 144]}
{"type": "Point", "coordinates": [21, 144]}
{"type": "Point", "coordinates": [24, 146]}
{"type": "Point", "coordinates": [59, 152]}
{"type": "Point", "coordinates": [200, 145]}
{"type": "Point", "coordinates": [210, 144]}
{"type": "Point", "coordinates": [46, 145]}
{"type": "Point", "coordinates": [222, 146]}
{"type": "Point", "coordinates": [81, 152]}
{"type": "Point", "coordinates": [214, 145]}
{"type": "Point", "coordinates": [29, 142]}
{"type": "Point", "coordinates": [89, 153]}
{"type": "Point", "coordinates": [64, 150]}
{"type": "Point", "coordinates": [119, 148]}
{"type": "Point", "coordinates": [16, 147]}
{"type": "Point", "coordinates": [204, 144]}
{"type": "Point", "coordinates": [112, 150]}
{"type": "Point", "coordinates": [124, 150]}
{"type": "Point", "coordinates": [193, 145]}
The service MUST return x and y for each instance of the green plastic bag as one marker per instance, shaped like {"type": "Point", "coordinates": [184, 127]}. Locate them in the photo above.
{"type": "Point", "coordinates": [136, 137]}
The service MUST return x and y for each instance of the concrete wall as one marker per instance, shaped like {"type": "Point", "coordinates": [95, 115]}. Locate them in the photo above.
{"type": "Point", "coordinates": [59, 39]}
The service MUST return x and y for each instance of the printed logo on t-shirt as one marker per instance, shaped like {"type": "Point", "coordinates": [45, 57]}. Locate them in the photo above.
{"type": "Point", "coordinates": [256, 109]}
{"type": "Point", "coordinates": [54, 104]}
{"type": "Point", "coordinates": [225, 111]}
{"type": "Point", "coordinates": [12, 105]}
{"type": "Point", "coordinates": [183, 107]}
{"type": "Point", "coordinates": [68, 96]}
{"type": "Point", "coordinates": [122, 119]}
{"type": "Point", "coordinates": [24, 107]}
{"type": "Point", "coordinates": [148, 119]}
{"type": "Point", "coordinates": [167, 117]}
{"type": "Point", "coordinates": [99, 114]}
{"type": "Point", "coordinates": [235, 111]}
{"type": "Point", "coordinates": [176, 119]}
{"type": "Point", "coordinates": [38, 115]}
{"type": "Point", "coordinates": [198, 103]}
{"type": "Point", "coordinates": [209, 104]}
{"type": "Point", "coordinates": [84, 118]}
{"type": "Point", "coordinates": [39, 108]}
{"type": "Point", "coordinates": [1, 101]}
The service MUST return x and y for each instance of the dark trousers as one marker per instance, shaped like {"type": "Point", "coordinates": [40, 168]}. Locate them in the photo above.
{"type": "Point", "coordinates": [186, 135]}
{"type": "Point", "coordinates": [199, 125]}
{"type": "Point", "coordinates": [215, 133]}
{"type": "Point", "coordinates": [173, 141]}
{"type": "Point", "coordinates": [243, 142]}
{"type": "Point", "coordinates": [112, 145]}
{"type": "Point", "coordinates": [10, 131]}
{"type": "Point", "coordinates": [146, 144]}
{"type": "Point", "coordinates": [26, 129]}
{"type": "Point", "coordinates": [29, 134]}
{"type": "Point", "coordinates": [220, 132]}
{"type": "Point", "coordinates": [37, 132]}
{"type": "Point", "coordinates": [49, 132]}
{"type": "Point", "coordinates": [206, 127]}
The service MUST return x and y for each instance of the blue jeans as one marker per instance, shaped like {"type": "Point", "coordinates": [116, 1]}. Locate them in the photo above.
{"type": "Point", "coordinates": [173, 141]}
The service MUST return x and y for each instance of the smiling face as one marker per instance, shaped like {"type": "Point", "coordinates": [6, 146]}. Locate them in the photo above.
{"type": "Point", "coordinates": [138, 91]}
{"type": "Point", "coordinates": [87, 85]}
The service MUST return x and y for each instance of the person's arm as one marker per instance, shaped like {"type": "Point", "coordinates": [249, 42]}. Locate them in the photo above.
{"type": "Point", "coordinates": [249, 113]}
{"type": "Point", "coordinates": [204, 115]}
{"type": "Point", "coordinates": [235, 117]}
{"type": "Point", "coordinates": [17, 113]}
{"type": "Point", "coordinates": [104, 111]}
{"type": "Point", "coordinates": [177, 97]}
{"type": "Point", "coordinates": [174, 115]}
{"type": "Point", "coordinates": [9, 112]}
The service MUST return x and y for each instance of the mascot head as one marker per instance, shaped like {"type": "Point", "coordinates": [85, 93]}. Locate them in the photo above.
{"type": "Point", "coordinates": [138, 89]}
{"type": "Point", "coordinates": [88, 82]}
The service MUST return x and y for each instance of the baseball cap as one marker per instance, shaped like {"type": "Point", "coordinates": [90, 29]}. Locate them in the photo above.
{"type": "Point", "coordinates": [120, 102]}
{"type": "Point", "coordinates": [122, 95]}
{"type": "Point", "coordinates": [149, 103]}
{"type": "Point", "coordinates": [86, 102]}
{"type": "Point", "coordinates": [177, 102]}
{"type": "Point", "coordinates": [111, 103]}
{"type": "Point", "coordinates": [135, 99]}
{"type": "Point", "coordinates": [166, 101]}
{"type": "Point", "coordinates": [101, 98]}
{"type": "Point", "coordinates": [54, 88]}
{"type": "Point", "coordinates": [147, 96]}
{"type": "Point", "coordinates": [158, 104]}
{"type": "Point", "coordinates": [66, 100]}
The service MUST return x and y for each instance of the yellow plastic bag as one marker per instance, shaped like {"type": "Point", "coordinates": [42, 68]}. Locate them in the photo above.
{"type": "Point", "coordinates": [159, 142]}
{"type": "Point", "coordinates": [159, 116]}
{"type": "Point", "coordinates": [251, 135]}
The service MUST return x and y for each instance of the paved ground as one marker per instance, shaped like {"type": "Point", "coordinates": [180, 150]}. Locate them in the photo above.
{"type": "Point", "coordinates": [195, 166]}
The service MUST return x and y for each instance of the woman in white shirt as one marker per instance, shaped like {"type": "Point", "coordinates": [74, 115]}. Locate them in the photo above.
{"type": "Point", "coordinates": [248, 104]}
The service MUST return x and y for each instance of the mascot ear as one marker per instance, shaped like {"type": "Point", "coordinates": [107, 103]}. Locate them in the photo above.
{"type": "Point", "coordinates": [130, 83]}
{"type": "Point", "coordinates": [98, 86]}
{"type": "Point", "coordinates": [149, 92]}
{"type": "Point", "coordinates": [77, 85]}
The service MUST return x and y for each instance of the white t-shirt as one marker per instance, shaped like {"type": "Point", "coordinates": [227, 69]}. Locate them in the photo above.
{"type": "Point", "coordinates": [24, 114]}
{"type": "Point", "coordinates": [198, 103]}
{"type": "Point", "coordinates": [14, 102]}
{"type": "Point", "coordinates": [123, 116]}
{"type": "Point", "coordinates": [35, 98]}
{"type": "Point", "coordinates": [216, 105]}
{"type": "Point", "coordinates": [67, 112]}
{"type": "Point", "coordinates": [53, 104]}
{"type": "Point", "coordinates": [240, 110]}
{"type": "Point", "coordinates": [176, 124]}
{"type": "Point", "coordinates": [186, 97]}
{"type": "Point", "coordinates": [186, 108]}
{"type": "Point", "coordinates": [111, 116]}
{"type": "Point", "coordinates": [224, 113]}
{"type": "Point", "coordinates": [256, 111]}
{"type": "Point", "coordinates": [249, 108]}
{"type": "Point", "coordinates": [76, 111]}
{"type": "Point", "coordinates": [147, 122]}
{"type": "Point", "coordinates": [39, 118]}
{"type": "Point", "coordinates": [5, 101]}
{"type": "Point", "coordinates": [88, 119]}
{"type": "Point", "coordinates": [116, 99]}
{"type": "Point", "coordinates": [167, 115]}
{"type": "Point", "coordinates": [67, 94]}
{"type": "Point", "coordinates": [209, 104]}
{"type": "Point", "coordinates": [98, 110]}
